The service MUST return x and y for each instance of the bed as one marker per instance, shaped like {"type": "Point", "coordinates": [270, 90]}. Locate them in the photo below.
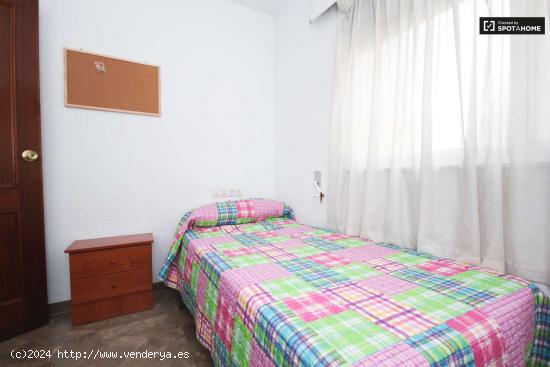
{"type": "Point", "coordinates": [266, 290]}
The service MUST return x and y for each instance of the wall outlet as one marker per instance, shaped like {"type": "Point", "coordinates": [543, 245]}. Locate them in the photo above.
{"type": "Point", "coordinates": [227, 193]}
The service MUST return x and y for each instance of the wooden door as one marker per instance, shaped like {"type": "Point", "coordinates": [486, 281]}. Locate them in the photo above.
{"type": "Point", "coordinates": [23, 295]}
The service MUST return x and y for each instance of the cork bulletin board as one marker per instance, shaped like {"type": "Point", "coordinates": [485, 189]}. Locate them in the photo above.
{"type": "Point", "coordinates": [107, 83]}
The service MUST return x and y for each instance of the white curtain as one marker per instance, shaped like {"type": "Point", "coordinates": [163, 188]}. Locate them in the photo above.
{"type": "Point", "coordinates": [440, 137]}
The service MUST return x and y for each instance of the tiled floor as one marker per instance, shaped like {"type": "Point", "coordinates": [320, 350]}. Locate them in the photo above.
{"type": "Point", "coordinates": [165, 328]}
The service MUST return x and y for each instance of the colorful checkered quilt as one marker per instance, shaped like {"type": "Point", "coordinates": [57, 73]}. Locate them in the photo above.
{"type": "Point", "coordinates": [266, 290]}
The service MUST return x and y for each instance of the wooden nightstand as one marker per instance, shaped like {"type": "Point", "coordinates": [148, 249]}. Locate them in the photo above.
{"type": "Point", "coordinates": [110, 277]}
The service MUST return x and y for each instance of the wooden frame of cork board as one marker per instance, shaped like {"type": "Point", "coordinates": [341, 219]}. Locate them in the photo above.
{"type": "Point", "coordinates": [107, 83]}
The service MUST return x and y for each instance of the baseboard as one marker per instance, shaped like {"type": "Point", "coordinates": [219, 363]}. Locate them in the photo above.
{"type": "Point", "coordinates": [64, 307]}
{"type": "Point", "coordinates": [59, 308]}
{"type": "Point", "coordinates": [160, 286]}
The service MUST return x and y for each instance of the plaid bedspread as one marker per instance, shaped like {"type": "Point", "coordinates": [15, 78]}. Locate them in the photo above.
{"type": "Point", "coordinates": [266, 290]}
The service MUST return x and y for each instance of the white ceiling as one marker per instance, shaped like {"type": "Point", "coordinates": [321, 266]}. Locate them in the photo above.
{"type": "Point", "coordinates": [270, 7]}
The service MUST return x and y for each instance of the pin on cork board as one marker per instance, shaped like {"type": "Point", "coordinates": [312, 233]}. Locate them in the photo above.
{"type": "Point", "coordinates": [102, 82]}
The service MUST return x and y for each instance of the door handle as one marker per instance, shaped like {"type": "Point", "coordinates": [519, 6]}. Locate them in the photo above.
{"type": "Point", "coordinates": [29, 155]}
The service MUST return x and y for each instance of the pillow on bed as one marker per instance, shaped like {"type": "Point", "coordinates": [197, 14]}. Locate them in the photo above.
{"type": "Point", "coordinates": [233, 212]}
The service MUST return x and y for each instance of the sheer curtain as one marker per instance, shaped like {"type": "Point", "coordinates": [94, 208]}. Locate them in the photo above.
{"type": "Point", "coordinates": [440, 137]}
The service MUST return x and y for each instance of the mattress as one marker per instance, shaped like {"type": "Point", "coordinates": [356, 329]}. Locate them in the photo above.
{"type": "Point", "coordinates": [266, 290]}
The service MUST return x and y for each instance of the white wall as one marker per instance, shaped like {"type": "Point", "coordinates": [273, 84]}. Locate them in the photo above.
{"type": "Point", "coordinates": [305, 56]}
{"type": "Point", "coordinates": [112, 173]}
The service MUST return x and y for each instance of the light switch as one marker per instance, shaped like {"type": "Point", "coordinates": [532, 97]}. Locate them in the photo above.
{"type": "Point", "coordinates": [317, 175]}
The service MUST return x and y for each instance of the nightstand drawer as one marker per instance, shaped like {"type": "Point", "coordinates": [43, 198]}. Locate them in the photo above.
{"type": "Point", "coordinates": [93, 263]}
{"type": "Point", "coordinates": [111, 307]}
{"type": "Point", "coordinates": [106, 286]}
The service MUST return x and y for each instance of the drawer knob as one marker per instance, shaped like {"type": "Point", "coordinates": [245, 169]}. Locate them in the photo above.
{"type": "Point", "coordinates": [112, 262]}
{"type": "Point", "coordinates": [113, 286]}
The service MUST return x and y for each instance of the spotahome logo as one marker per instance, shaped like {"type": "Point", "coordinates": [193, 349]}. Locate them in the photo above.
{"type": "Point", "coordinates": [509, 25]}
{"type": "Point", "coordinates": [489, 25]}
